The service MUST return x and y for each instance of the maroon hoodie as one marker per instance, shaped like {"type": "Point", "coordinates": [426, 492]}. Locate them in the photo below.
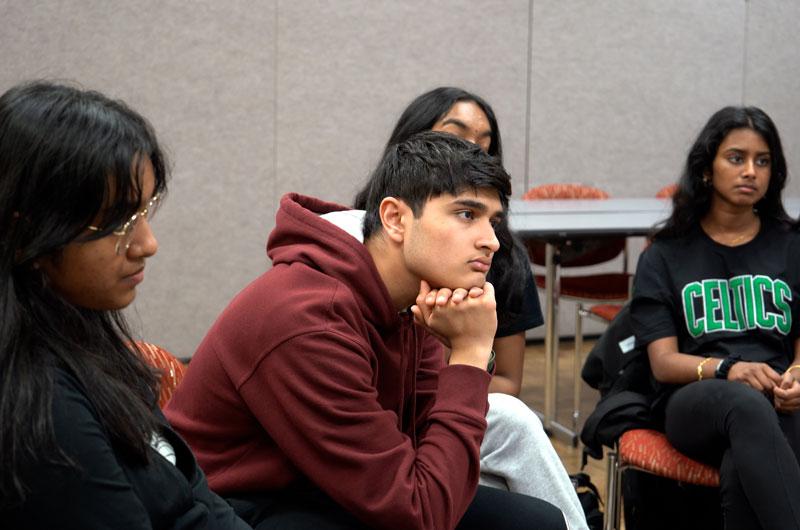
{"type": "Point", "coordinates": [311, 373]}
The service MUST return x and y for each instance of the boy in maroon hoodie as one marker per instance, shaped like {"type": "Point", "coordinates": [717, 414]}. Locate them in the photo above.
{"type": "Point", "coordinates": [322, 398]}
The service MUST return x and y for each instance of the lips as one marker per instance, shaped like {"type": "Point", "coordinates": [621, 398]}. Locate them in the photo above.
{"type": "Point", "coordinates": [135, 278]}
{"type": "Point", "coordinates": [481, 264]}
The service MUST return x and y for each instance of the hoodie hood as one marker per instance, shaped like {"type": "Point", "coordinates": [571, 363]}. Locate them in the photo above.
{"type": "Point", "coordinates": [301, 236]}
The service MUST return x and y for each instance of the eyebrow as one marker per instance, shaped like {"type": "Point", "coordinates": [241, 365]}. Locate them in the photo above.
{"type": "Point", "coordinates": [461, 124]}
{"type": "Point", "coordinates": [477, 205]}
{"type": "Point", "coordinates": [740, 150]}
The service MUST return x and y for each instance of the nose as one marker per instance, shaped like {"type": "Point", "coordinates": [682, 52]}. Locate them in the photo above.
{"type": "Point", "coordinates": [144, 242]}
{"type": "Point", "coordinates": [489, 239]}
{"type": "Point", "coordinates": [749, 170]}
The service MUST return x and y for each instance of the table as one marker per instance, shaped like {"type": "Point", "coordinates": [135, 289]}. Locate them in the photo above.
{"type": "Point", "coordinates": [556, 221]}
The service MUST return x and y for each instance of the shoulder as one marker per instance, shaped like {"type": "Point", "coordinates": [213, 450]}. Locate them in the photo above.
{"type": "Point", "coordinates": [783, 232]}
{"type": "Point", "coordinates": [529, 316]}
{"type": "Point", "coordinates": [282, 305]}
{"type": "Point", "coordinates": [68, 393]}
{"type": "Point", "coordinates": [75, 420]}
{"type": "Point", "coordinates": [666, 249]}
{"type": "Point", "coordinates": [296, 292]}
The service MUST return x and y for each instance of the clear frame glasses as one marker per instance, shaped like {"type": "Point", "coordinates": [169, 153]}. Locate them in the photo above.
{"type": "Point", "coordinates": [125, 232]}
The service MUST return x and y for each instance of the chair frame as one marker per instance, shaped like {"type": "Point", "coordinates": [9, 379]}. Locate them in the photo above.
{"type": "Point", "coordinates": [616, 466]}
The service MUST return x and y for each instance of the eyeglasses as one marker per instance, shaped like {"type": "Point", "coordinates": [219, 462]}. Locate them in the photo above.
{"type": "Point", "coordinates": [125, 232]}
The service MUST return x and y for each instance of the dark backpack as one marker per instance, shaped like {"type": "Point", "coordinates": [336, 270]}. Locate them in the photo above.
{"type": "Point", "coordinates": [589, 498]}
{"type": "Point", "coordinates": [620, 370]}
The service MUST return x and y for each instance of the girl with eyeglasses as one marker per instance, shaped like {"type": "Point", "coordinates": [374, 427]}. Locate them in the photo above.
{"type": "Point", "coordinates": [83, 444]}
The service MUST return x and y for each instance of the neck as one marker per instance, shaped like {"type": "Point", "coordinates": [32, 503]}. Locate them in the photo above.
{"type": "Point", "coordinates": [728, 218]}
{"type": "Point", "coordinates": [731, 226]}
{"type": "Point", "coordinates": [401, 284]}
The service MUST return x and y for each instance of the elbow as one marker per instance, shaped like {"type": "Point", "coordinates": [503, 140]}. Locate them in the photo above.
{"type": "Point", "coordinates": [505, 385]}
{"type": "Point", "coordinates": [659, 373]}
{"type": "Point", "coordinates": [659, 366]}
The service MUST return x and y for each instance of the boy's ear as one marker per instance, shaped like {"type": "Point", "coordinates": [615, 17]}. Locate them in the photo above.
{"type": "Point", "coordinates": [394, 214]}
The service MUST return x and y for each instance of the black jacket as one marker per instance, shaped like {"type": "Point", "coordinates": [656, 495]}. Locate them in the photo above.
{"type": "Point", "coordinates": [106, 490]}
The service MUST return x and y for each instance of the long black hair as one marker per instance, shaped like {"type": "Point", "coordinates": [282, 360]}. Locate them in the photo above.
{"type": "Point", "coordinates": [692, 200]}
{"type": "Point", "coordinates": [67, 157]}
{"type": "Point", "coordinates": [510, 266]}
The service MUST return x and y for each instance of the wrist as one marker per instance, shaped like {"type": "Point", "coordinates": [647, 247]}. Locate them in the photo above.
{"type": "Point", "coordinates": [490, 363]}
{"type": "Point", "coordinates": [700, 366]}
{"type": "Point", "coordinates": [477, 356]}
{"type": "Point", "coordinates": [724, 366]}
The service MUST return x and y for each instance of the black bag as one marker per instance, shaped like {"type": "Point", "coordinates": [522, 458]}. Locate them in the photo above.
{"type": "Point", "coordinates": [620, 370]}
{"type": "Point", "coordinates": [589, 498]}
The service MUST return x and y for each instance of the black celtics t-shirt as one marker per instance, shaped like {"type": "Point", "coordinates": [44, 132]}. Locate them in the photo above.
{"type": "Point", "coordinates": [719, 300]}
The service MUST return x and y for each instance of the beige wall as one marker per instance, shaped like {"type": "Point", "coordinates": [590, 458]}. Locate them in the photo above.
{"type": "Point", "coordinates": [254, 99]}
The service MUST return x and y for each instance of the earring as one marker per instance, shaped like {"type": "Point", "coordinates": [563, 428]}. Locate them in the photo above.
{"type": "Point", "coordinates": [35, 265]}
{"type": "Point", "coordinates": [706, 180]}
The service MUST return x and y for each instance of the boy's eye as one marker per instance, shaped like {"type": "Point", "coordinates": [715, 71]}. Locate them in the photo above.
{"type": "Point", "coordinates": [465, 214]}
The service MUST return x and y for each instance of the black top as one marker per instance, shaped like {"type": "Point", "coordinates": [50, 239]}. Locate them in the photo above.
{"type": "Point", "coordinates": [530, 314]}
{"type": "Point", "coordinates": [109, 492]}
{"type": "Point", "coordinates": [719, 300]}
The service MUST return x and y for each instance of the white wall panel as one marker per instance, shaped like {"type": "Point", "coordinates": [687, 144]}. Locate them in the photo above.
{"type": "Point", "coordinates": [772, 74]}
{"type": "Point", "coordinates": [202, 72]}
{"type": "Point", "coordinates": [347, 69]}
{"type": "Point", "coordinates": [621, 88]}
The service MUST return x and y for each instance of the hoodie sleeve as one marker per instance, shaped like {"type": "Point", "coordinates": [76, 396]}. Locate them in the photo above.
{"type": "Point", "coordinates": [314, 395]}
{"type": "Point", "coordinates": [431, 362]}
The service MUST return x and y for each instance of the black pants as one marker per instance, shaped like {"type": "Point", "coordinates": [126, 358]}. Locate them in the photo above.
{"type": "Point", "coordinates": [734, 427]}
{"type": "Point", "coordinates": [309, 508]}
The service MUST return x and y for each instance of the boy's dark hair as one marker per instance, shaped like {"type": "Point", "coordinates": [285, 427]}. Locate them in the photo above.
{"type": "Point", "coordinates": [429, 164]}
{"type": "Point", "coordinates": [510, 267]}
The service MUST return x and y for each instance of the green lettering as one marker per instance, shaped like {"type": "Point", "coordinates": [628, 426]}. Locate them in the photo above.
{"type": "Point", "coordinates": [782, 297]}
{"type": "Point", "coordinates": [736, 285]}
{"type": "Point", "coordinates": [710, 305]}
{"type": "Point", "coordinates": [749, 301]}
{"type": "Point", "coordinates": [761, 285]}
{"type": "Point", "coordinates": [727, 311]}
{"type": "Point", "coordinates": [693, 324]}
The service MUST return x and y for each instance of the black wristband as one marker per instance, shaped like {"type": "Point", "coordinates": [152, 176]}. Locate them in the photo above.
{"type": "Point", "coordinates": [490, 364]}
{"type": "Point", "coordinates": [725, 366]}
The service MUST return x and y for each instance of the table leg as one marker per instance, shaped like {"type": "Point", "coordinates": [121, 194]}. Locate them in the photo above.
{"type": "Point", "coordinates": [550, 335]}
{"type": "Point", "coordinates": [551, 338]}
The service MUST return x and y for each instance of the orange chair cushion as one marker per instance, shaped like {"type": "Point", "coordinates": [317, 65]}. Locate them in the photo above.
{"type": "Point", "coordinates": [564, 191]}
{"type": "Point", "coordinates": [650, 451]}
{"type": "Point", "coordinates": [608, 286]}
{"type": "Point", "coordinates": [607, 312]}
{"type": "Point", "coordinates": [667, 191]}
{"type": "Point", "coordinates": [172, 370]}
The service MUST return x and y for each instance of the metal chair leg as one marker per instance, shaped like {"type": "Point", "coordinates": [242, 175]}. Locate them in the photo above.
{"type": "Point", "coordinates": [580, 312]}
{"type": "Point", "coordinates": [613, 492]}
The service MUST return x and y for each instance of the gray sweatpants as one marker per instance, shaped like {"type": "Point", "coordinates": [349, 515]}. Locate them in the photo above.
{"type": "Point", "coordinates": [517, 455]}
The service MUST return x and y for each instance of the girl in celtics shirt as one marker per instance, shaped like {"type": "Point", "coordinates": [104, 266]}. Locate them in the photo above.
{"type": "Point", "coordinates": [716, 300]}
